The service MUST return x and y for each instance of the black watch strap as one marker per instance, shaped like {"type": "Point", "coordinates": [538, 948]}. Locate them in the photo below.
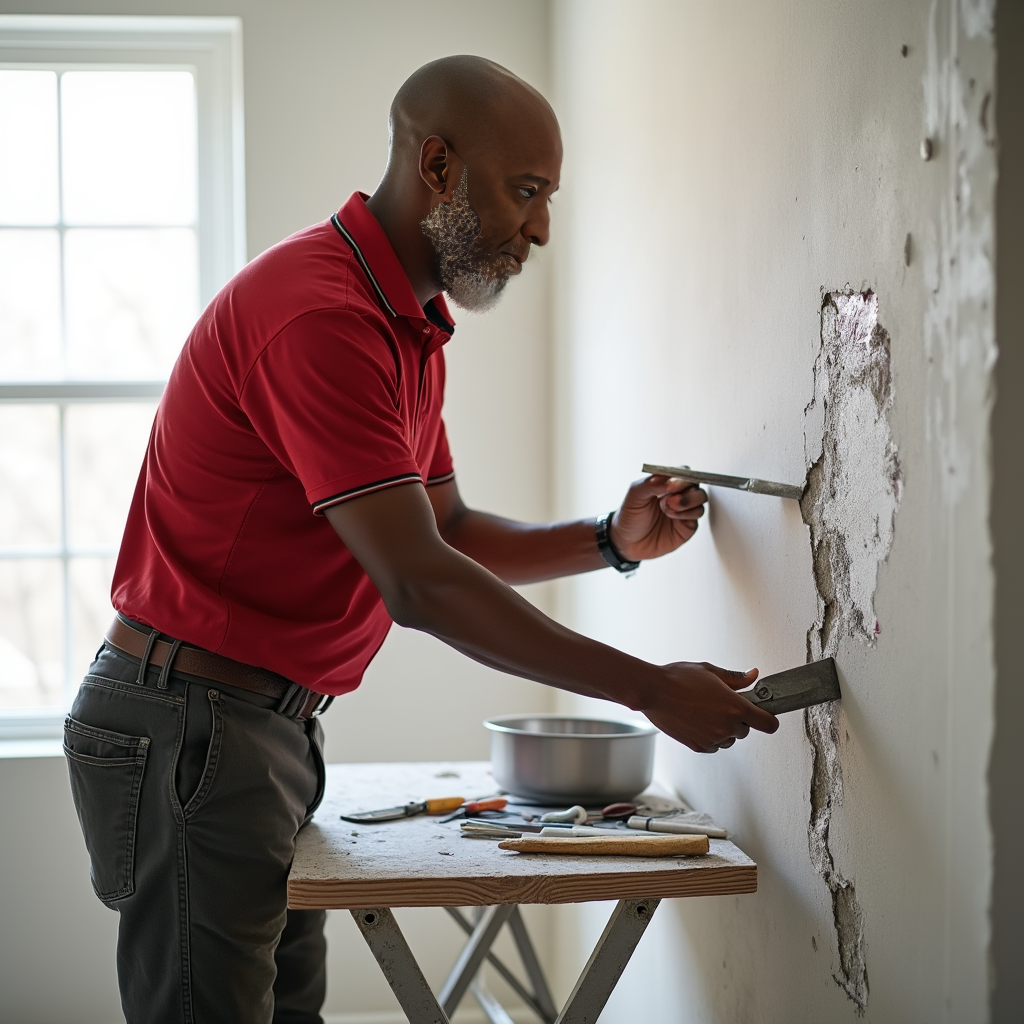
{"type": "Point", "coordinates": [607, 549]}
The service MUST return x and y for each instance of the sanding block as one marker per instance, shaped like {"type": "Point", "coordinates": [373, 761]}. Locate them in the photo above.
{"type": "Point", "coordinates": [816, 683]}
{"type": "Point", "coordinates": [739, 483]}
{"type": "Point", "coordinates": [613, 846]}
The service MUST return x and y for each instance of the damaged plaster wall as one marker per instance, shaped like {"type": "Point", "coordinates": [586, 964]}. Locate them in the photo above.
{"type": "Point", "coordinates": [787, 180]}
{"type": "Point", "coordinates": [853, 492]}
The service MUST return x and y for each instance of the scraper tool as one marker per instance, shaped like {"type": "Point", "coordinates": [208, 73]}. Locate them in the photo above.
{"type": "Point", "coordinates": [816, 683]}
{"type": "Point", "coordinates": [740, 483]}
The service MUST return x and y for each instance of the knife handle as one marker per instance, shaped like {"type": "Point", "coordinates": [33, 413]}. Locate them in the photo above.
{"type": "Point", "coordinates": [445, 803]}
{"type": "Point", "coordinates": [751, 695]}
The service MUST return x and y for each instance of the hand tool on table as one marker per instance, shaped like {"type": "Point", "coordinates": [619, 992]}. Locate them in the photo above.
{"type": "Point", "coordinates": [616, 812]}
{"type": "Point", "coordinates": [492, 828]}
{"type": "Point", "coordinates": [439, 806]}
{"type": "Point", "coordinates": [494, 803]}
{"type": "Point", "coordinates": [575, 815]}
{"type": "Point", "coordinates": [740, 483]}
{"type": "Point", "coordinates": [796, 688]}
{"type": "Point", "coordinates": [591, 830]}
{"type": "Point", "coordinates": [613, 846]}
{"type": "Point", "coordinates": [676, 827]}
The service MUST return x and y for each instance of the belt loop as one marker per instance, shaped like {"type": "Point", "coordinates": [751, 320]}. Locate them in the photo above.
{"type": "Point", "coordinates": [284, 707]}
{"type": "Point", "coordinates": [165, 672]}
{"type": "Point", "coordinates": [144, 664]}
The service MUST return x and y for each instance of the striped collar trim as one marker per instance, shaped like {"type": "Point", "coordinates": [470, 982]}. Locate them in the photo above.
{"type": "Point", "coordinates": [354, 245]}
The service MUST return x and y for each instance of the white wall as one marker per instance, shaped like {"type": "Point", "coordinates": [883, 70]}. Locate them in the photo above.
{"type": "Point", "coordinates": [319, 77]}
{"type": "Point", "coordinates": [727, 164]}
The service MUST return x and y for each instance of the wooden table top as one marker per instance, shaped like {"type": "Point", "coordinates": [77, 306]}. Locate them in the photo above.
{"type": "Point", "coordinates": [419, 862]}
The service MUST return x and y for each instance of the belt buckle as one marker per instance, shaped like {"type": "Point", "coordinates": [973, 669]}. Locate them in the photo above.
{"type": "Point", "coordinates": [321, 705]}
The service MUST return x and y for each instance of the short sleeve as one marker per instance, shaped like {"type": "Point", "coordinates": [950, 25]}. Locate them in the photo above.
{"type": "Point", "coordinates": [441, 469]}
{"type": "Point", "coordinates": [324, 397]}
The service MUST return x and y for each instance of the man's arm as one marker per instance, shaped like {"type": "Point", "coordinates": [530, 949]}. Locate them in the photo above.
{"type": "Point", "coordinates": [657, 516]}
{"type": "Point", "coordinates": [428, 585]}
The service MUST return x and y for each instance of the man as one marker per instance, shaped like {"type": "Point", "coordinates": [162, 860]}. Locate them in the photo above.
{"type": "Point", "coordinates": [297, 497]}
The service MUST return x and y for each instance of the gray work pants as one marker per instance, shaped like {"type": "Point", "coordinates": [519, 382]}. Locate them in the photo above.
{"type": "Point", "coordinates": [190, 795]}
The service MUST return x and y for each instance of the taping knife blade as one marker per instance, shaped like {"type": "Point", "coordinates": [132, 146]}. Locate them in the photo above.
{"type": "Point", "coordinates": [739, 483]}
{"type": "Point", "coordinates": [796, 688]}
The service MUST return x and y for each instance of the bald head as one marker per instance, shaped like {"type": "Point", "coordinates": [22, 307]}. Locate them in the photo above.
{"type": "Point", "coordinates": [470, 102]}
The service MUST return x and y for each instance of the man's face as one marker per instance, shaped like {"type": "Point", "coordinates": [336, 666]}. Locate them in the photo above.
{"type": "Point", "coordinates": [480, 243]}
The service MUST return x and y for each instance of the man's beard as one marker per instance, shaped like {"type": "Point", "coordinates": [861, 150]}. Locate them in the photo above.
{"type": "Point", "coordinates": [472, 276]}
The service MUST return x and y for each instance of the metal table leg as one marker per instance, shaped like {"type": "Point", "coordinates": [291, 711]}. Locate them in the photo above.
{"type": "Point", "coordinates": [539, 1000]}
{"type": "Point", "coordinates": [494, 1011]}
{"type": "Point", "coordinates": [624, 930]}
{"type": "Point", "coordinates": [388, 945]}
{"type": "Point", "coordinates": [546, 1005]}
{"type": "Point", "coordinates": [472, 956]}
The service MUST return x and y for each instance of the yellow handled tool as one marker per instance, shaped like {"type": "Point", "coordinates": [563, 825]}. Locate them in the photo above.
{"type": "Point", "coordinates": [438, 806]}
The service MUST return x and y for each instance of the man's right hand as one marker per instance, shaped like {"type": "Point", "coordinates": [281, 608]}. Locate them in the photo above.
{"type": "Point", "coordinates": [698, 706]}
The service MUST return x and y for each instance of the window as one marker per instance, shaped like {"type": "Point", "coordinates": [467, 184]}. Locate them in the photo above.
{"type": "Point", "coordinates": [120, 217]}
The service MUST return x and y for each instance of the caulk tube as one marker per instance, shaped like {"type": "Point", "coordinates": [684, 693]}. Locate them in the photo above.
{"type": "Point", "coordinates": [685, 828]}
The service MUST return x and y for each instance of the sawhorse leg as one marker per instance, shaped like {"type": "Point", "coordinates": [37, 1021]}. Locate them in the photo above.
{"type": "Point", "coordinates": [388, 945]}
{"type": "Point", "coordinates": [624, 930]}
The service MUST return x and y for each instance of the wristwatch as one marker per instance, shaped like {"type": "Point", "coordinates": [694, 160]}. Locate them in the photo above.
{"type": "Point", "coordinates": [607, 549]}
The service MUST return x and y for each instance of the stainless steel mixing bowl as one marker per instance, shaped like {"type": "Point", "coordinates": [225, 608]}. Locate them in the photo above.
{"type": "Point", "coordinates": [554, 759]}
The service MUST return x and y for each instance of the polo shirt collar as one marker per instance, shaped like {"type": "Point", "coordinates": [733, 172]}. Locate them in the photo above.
{"type": "Point", "coordinates": [373, 250]}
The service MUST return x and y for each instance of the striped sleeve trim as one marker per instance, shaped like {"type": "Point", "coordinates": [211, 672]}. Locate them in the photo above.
{"type": "Point", "coordinates": [358, 492]}
{"type": "Point", "coordinates": [432, 481]}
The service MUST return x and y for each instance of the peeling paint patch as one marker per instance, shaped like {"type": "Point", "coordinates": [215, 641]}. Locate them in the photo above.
{"type": "Point", "coordinates": [853, 492]}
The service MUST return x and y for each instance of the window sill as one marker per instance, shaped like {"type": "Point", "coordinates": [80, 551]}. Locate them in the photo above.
{"type": "Point", "coordinates": [25, 749]}
{"type": "Point", "coordinates": [31, 725]}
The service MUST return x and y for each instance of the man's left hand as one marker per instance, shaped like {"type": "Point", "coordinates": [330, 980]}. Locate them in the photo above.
{"type": "Point", "coordinates": [658, 515]}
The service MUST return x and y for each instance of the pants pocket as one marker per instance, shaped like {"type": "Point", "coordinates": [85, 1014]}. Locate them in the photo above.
{"type": "Point", "coordinates": [106, 771]}
{"type": "Point", "coordinates": [205, 744]}
{"type": "Point", "coordinates": [316, 742]}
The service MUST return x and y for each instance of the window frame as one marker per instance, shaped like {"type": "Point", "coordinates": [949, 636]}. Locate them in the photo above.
{"type": "Point", "coordinates": [211, 48]}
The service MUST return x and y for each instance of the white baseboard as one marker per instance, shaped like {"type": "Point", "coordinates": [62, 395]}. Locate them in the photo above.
{"type": "Point", "coordinates": [468, 1015]}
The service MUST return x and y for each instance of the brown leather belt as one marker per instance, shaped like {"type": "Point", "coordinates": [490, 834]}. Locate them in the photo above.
{"type": "Point", "coordinates": [296, 701]}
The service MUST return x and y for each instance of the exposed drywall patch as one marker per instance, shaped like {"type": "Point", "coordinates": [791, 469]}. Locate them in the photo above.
{"type": "Point", "coordinates": [853, 492]}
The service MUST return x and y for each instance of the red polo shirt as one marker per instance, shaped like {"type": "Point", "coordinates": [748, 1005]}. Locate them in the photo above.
{"type": "Point", "coordinates": [312, 378]}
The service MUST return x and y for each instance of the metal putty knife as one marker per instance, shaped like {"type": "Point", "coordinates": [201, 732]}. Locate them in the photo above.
{"type": "Point", "coordinates": [816, 683]}
{"type": "Point", "coordinates": [740, 483]}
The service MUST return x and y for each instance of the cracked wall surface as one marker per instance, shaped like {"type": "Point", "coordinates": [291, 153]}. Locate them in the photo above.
{"type": "Point", "coordinates": [786, 147]}
{"type": "Point", "coordinates": [850, 504]}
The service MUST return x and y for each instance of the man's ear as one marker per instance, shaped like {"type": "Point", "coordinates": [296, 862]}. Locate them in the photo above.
{"type": "Point", "coordinates": [434, 164]}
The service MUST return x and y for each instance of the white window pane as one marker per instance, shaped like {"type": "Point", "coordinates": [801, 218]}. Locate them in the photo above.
{"type": "Point", "coordinates": [129, 147]}
{"type": "Point", "coordinates": [132, 298]}
{"type": "Point", "coordinates": [105, 446]}
{"type": "Point", "coordinates": [28, 147]}
{"type": "Point", "coordinates": [91, 612]}
{"type": "Point", "coordinates": [29, 475]}
{"type": "Point", "coordinates": [31, 633]}
{"type": "Point", "coordinates": [30, 346]}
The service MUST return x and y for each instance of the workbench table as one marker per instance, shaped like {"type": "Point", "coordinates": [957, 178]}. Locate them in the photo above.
{"type": "Point", "coordinates": [420, 862]}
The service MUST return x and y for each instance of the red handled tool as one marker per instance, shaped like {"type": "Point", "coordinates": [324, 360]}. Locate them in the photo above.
{"type": "Point", "coordinates": [494, 803]}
